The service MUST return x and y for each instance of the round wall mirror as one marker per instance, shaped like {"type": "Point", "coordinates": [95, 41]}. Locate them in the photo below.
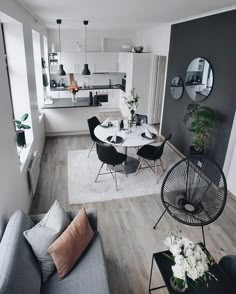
{"type": "Point", "coordinates": [199, 79]}
{"type": "Point", "coordinates": [177, 87]}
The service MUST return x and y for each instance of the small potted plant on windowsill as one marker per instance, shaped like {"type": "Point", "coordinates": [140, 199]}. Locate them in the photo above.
{"type": "Point", "coordinates": [202, 120]}
{"type": "Point", "coordinates": [20, 133]}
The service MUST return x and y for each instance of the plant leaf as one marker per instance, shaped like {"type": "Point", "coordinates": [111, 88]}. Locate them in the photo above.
{"type": "Point", "coordinates": [25, 127]}
{"type": "Point", "coordinates": [17, 121]}
{"type": "Point", "coordinates": [24, 117]}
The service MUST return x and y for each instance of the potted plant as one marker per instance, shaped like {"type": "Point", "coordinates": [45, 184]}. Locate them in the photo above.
{"type": "Point", "coordinates": [20, 133]}
{"type": "Point", "coordinates": [202, 121]}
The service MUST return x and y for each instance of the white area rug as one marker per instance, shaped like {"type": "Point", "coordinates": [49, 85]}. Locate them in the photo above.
{"type": "Point", "coordinates": [82, 172]}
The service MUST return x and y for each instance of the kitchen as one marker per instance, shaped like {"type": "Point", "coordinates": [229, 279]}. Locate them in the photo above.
{"type": "Point", "coordinates": [114, 71]}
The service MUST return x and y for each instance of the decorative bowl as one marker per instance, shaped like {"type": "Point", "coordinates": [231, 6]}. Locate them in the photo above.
{"type": "Point", "coordinates": [138, 49]}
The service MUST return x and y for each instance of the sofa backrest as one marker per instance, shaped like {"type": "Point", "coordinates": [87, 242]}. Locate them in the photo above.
{"type": "Point", "coordinates": [91, 213]}
{"type": "Point", "coordinates": [19, 271]}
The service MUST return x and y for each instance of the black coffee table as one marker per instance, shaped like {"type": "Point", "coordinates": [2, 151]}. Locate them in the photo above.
{"type": "Point", "coordinates": [214, 287]}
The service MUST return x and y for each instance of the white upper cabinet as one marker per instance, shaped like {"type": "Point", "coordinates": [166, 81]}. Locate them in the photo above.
{"type": "Point", "coordinates": [98, 61]}
{"type": "Point", "coordinates": [113, 61]}
{"type": "Point", "coordinates": [124, 59]}
{"type": "Point", "coordinates": [73, 62]}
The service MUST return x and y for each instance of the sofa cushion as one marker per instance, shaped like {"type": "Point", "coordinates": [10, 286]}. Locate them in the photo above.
{"type": "Point", "coordinates": [41, 236]}
{"type": "Point", "coordinates": [72, 242]}
{"type": "Point", "coordinates": [89, 275]}
{"type": "Point", "coordinates": [19, 271]}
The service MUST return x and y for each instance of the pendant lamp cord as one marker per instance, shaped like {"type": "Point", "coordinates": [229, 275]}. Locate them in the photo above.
{"type": "Point", "coordinates": [60, 41]}
{"type": "Point", "coordinates": [85, 45]}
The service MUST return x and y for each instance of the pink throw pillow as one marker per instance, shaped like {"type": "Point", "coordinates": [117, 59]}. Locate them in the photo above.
{"type": "Point", "coordinates": [66, 250]}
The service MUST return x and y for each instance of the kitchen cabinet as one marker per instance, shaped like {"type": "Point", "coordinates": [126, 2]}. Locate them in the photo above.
{"type": "Point", "coordinates": [103, 61]}
{"type": "Point", "coordinates": [124, 61]}
{"type": "Point", "coordinates": [73, 62]}
{"type": "Point", "coordinates": [138, 69]}
{"type": "Point", "coordinates": [68, 120]}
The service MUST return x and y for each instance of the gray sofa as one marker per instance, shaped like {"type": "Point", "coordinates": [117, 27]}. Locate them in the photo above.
{"type": "Point", "coordinates": [20, 273]}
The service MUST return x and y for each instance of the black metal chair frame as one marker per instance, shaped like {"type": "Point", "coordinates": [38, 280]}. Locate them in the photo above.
{"type": "Point", "coordinates": [202, 175]}
{"type": "Point", "coordinates": [95, 121]}
{"type": "Point", "coordinates": [153, 167]}
{"type": "Point", "coordinates": [110, 167]}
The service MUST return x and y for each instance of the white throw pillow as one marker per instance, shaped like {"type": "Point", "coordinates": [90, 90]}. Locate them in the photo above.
{"type": "Point", "coordinates": [44, 233]}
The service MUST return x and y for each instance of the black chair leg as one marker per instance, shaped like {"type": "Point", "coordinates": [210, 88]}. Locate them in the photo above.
{"type": "Point", "coordinates": [159, 220]}
{"type": "Point", "coordinates": [162, 165]}
{"type": "Point", "coordinates": [91, 148]}
{"type": "Point", "coordinates": [124, 169]}
{"type": "Point", "coordinates": [99, 172]}
{"type": "Point", "coordinates": [115, 178]}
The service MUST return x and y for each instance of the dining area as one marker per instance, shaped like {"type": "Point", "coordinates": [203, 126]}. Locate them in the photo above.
{"type": "Point", "coordinates": [125, 146]}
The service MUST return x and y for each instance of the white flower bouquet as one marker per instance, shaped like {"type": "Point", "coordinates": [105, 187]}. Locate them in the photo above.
{"type": "Point", "coordinates": [132, 101]}
{"type": "Point", "coordinates": [190, 261]}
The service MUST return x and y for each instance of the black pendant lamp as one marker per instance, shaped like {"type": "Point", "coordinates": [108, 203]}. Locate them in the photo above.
{"type": "Point", "coordinates": [86, 71]}
{"type": "Point", "coordinates": [61, 71]}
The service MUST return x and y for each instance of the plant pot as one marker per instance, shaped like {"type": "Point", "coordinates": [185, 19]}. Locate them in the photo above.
{"type": "Point", "coordinates": [193, 151]}
{"type": "Point", "coordinates": [20, 138]}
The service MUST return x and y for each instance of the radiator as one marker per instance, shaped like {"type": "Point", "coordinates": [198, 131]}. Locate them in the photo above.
{"type": "Point", "coordinates": [33, 172]}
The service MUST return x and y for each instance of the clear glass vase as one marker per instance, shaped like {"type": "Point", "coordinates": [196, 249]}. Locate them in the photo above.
{"type": "Point", "coordinates": [74, 100]}
{"type": "Point", "coordinates": [178, 285]}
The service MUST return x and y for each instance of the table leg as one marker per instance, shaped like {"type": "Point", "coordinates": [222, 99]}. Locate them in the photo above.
{"type": "Point", "coordinates": [150, 279]}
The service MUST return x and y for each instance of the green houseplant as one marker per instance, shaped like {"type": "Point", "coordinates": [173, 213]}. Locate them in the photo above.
{"type": "Point", "coordinates": [20, 133]}
{"type": "Point", "coordinates": [202, 121]}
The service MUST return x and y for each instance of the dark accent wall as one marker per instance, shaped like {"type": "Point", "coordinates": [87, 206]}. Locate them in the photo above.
{"type": "Point", "coordinates": [214, 38]}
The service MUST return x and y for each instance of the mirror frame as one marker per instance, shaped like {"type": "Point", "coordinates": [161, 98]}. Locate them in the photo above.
{"type": "Point", "coordinates": [194, 81]}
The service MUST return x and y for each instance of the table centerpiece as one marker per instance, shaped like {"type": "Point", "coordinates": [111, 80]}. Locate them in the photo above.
{"type": "Point", "coordinates": [131, 102]}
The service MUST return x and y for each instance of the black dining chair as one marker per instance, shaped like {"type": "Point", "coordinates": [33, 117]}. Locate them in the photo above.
{"type": "Point", "coordinates": [150, 152]}
{"type": "Point", "coordinates": [108, 154]}
{"type": "Point", "coordinates": [141, 117]}
{"type": "Point", "coordinates": [93, 122]}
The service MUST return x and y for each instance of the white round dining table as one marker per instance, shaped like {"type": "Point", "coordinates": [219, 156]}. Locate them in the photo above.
{"type": "Point", "coordinates": [131, 139]}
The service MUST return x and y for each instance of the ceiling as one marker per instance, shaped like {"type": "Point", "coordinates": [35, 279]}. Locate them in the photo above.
{"type": "Point", "coordinates": [119, 14]}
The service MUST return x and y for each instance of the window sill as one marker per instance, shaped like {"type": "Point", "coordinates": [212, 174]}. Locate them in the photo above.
{"type": "Point", "coordinates": [23, 154]}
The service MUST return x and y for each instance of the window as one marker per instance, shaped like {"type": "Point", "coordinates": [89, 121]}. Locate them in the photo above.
{"type": "Point", "coordinates": [13, 38]}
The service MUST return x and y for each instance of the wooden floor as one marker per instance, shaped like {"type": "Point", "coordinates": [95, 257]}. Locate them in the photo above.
{"type": "Point", "coordinates": [126, 224]}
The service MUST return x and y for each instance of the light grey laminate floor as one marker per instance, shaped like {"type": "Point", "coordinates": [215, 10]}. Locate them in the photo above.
{"type": "Point", "coordinates": [126, 224]}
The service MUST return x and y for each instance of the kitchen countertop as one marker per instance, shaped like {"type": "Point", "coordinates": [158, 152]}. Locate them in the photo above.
{"type": "Point", "coordinates": [67, 103]}
{"type": "Point", "coordinates": [97, 87]}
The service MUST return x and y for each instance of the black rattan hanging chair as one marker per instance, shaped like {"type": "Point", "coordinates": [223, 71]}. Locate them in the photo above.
{"type": "Point", "coordinates": [194, 191]}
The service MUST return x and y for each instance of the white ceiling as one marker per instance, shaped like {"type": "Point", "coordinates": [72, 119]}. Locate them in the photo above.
{"type": "Point", "coordinates": [119, 14]}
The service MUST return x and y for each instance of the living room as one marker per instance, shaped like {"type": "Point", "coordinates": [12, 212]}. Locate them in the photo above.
{"type": "Point", "coordinates": [178, 31]}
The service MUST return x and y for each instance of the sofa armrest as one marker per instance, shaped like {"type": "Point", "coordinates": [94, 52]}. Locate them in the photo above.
{"type": "Point", "coordinates": [228, 265]}
{"type": "Point", "coordinates": [91, 213]}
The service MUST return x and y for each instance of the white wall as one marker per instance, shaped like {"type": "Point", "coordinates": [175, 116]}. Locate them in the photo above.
{"type": "Point", "coordinates": [70, 38]}
{"type": "Point", "coordinates": [155, 39]}
{"type": "Point", "coordinates": [14, 192]}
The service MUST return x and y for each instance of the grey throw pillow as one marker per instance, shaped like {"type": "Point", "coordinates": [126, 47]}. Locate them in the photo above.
{"type": "Point", "coordinates": [44, 233]}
